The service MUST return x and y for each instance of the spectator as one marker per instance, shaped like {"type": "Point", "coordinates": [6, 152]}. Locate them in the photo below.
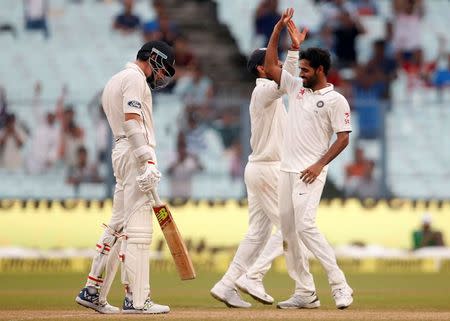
{"type": "Point", "coordinates": [366, 186]}
{"type": "Point", "coordinates": [161, 28]}
{"type": "Point", "coordinates": [426, 236]}
{"type": "Point", "coordinates": [441, 77]}
{"type": "Point", "coordinates": [184, 57]}
{"type": "Point", "coordinates": [72, 139]}
{"type": "Point", "coordinates": [228, 126]}
{"type": "Point", "coordinates": [3, 106]}
{"type": "Point", "coordinates": [102, 135]}
{"type": "Point", "coordinates": [127, 22]}
{"type": "Point", "coordinates": [182, 170]}
{"type": "Point", "coordinates": [266, 17]}
{"type": "Point", "coordinates": [418, 71]}
{"type": "Point", "coordinates": [366, 7]}
{"type": "Point", "coordinates": [12, 139]}
{"type": "Point", "coordinates": [82, 171]}
{"type": "Point", "coordinates": [7, 27]}
{"type": "Point", "coordinates": [324, 39]}
{"type": "Point", "coordinates": [357, 168]}
{"type": "Point", "coordinates": [345, 36]}
{"type": "Point", "coordinates": [236, 164]}
{"type": "Point", "coordinates": [195, 88]}
{"type": "Point", "coordinates": [36, 15]}
{"type": "Point", "coordinates": [44, 145]}
{"type": "Point", "coordinates": [381, 66]}
{"type": "Point", "coordinates": [195, 135]}
{"type": "Point", "coordinates": [407, 26]}
{"type": "Point", "coordinates": [332, 10]}
{"type": "Point", "coordinates": [367, 93]}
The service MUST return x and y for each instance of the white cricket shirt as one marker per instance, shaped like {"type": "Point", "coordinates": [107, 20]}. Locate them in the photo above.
{"type": "Point", "coordinates": [268, 115]}
{"type": "Point", "coordinates": [313, 117]}
{"type": "Point", "coordinates": [128, 92]}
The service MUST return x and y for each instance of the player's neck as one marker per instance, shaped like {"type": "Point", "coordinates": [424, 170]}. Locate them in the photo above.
{"type": "Point", "coordinates": [320, 85]}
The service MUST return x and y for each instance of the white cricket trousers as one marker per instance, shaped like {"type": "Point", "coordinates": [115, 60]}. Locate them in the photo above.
{"type": "Point", "coordinates": [259, 247]}
{"type": "Point", "coordinates": [132, 207]}
{"type": "Point", "coordinates": [298, 209]}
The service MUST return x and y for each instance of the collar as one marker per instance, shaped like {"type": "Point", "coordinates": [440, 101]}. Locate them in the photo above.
{"type": "Point", "coordinates": [262, 80]}
{"type": "Point", "coordinates": [325, 90]}
{"type": "Point", "coordinates": [132, 65]}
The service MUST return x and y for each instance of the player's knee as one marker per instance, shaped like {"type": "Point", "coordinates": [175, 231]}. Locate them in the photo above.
{"type": "Point", "coordinates": [139, 235]}
{"type": "Point", "coordinates": [258, 236]}
{"type": "Point", "coordinates": [106, 242]}
{"type": "Point", "coordinates": [306, 228]}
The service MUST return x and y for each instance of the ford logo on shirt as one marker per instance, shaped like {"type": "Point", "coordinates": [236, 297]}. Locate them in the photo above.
{"type": "Point", "coordinates": [134, 103]}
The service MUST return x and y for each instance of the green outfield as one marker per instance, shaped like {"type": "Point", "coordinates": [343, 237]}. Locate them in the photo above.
{"type": "Point", "coordinates": [394, 296]}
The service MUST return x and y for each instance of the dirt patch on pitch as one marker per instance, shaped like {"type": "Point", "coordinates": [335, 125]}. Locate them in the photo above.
{"type": "Point", "coordinates": [233, 315]}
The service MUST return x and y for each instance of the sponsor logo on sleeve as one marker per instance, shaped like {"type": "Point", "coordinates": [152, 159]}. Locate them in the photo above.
{"type": "Point", "coordinates": [320, 104]}
{"type": "Point", "coordinates": [347, 118]}
{"type": "Point", "coordinates": [134, 104]}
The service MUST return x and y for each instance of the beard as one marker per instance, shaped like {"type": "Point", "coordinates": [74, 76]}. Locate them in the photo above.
{"type": "Point", "coordinates": [310, 82]}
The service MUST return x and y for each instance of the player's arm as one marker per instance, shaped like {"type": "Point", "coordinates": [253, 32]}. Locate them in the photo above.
{"type": "Point", "coordinates": [310, 174]}
{"type": "Point", "coordinates": [297, 37]}
{"type": "Point", "coordinates": [271, 66]}
{"type": "Point", "coordinates": [135, 132]}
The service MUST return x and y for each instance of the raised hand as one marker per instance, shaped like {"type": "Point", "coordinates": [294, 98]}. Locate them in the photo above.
{"type": "Point", "coordinates": [297, 37]}
{"type": "Point", "coordinates": [286, 17]}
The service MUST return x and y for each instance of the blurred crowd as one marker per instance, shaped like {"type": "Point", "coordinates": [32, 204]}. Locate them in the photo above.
{"type": "Point", "coordinates": [58, 139]}
{"type": "Point", "coordinates": [55, 141]}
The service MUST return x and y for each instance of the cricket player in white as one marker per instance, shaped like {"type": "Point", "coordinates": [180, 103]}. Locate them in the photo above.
{"type": "Point", "coordinates": [127, 103]}
{"type": "Point", "coordinates": [316, 112]}
{"type": "Point", "coordinates": [268, 118]}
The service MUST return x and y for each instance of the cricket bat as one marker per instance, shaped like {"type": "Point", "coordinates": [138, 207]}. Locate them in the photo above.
{"type": "Point", "coordinates": [173, 238]}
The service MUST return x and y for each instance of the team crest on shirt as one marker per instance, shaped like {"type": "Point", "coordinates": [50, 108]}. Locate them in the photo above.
{"type": "Point", "coordinates": [320, 104]}
{"type": "Point", "coordinates": [135, 104]}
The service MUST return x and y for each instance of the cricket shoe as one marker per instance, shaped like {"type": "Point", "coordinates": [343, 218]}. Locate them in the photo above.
{"type": "Point", "coordinates": [89, 298]}
{"type": "Point", "coordinates": [229, 296]}
{"type": "Point", "coordinates": [150, 307]}
{"type": "Point", "coordinates": [298, 301]}
{"type": "Point", "coordinates": [343, 297]}
{"type": "Point", "coordinates": [255, 288]}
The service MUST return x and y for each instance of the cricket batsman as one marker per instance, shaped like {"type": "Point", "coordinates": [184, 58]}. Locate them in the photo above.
{"type": "Point", "coordinates": [260, 247]}
{"type": "Point", "coordinates": [127, 102]}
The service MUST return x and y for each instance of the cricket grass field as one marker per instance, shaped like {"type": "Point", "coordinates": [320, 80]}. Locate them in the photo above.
{"type": "Point", "coordinates": [390, 296]}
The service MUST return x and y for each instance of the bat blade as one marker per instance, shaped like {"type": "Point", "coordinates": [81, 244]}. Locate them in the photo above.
{"type": "Point", "coordinates": [175, 243]}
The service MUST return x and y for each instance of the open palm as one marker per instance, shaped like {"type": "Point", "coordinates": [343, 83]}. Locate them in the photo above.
{"type": "Point", "coordinates": [297, 37]}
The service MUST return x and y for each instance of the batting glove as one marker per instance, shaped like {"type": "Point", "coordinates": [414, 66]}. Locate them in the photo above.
{"type": "Point", "coordinates": [149, 178]}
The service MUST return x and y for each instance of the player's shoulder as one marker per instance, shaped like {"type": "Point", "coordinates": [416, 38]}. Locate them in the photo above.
{"type": "Point", "coordinates": [334, 97]}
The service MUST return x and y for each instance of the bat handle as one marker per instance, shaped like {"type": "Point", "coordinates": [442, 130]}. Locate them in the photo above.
{"type": "Point", "coordinates": [155, 196]}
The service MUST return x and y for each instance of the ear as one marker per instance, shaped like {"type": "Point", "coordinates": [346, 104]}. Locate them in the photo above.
{"type": "Point", "coordinates": [260, 69]}
{"type": "Point", "coordinates": [320, 69]}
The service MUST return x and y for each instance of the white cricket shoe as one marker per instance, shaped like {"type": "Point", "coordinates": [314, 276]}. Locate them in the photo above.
{"type": "Point", "coordinates": [229, 296]}
{"type": "Point", "coordinates": [106, 308]}
{"type": "Point", "coordinates": [89, 298]}
{"type": "Point", "coordinates": [255, 288]}
{"type": "Point", "coordinates": [300, 302]}
{"type": "Point", "coordinates": [150, 307]}
{"type": "Point", "coordinates": [343, 297]}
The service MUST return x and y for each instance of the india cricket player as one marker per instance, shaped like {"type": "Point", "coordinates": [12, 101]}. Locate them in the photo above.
{"type": "Point", "coordinates": [259, 248]}
{"type": "Point", "coordinates": [316, 112]}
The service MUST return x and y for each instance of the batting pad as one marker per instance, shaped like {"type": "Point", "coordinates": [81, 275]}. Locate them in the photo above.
{"type": "Point", "coordinates": [137, 255]}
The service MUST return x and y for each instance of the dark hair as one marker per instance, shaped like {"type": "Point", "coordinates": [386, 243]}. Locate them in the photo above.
{"type": "Point", "coordinates": [317, 57]}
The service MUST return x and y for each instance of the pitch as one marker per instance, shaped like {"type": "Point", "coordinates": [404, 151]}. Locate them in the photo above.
{"type": "Point", "coordinates": [394, 296]}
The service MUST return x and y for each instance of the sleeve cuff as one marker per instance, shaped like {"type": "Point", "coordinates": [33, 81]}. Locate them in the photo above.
{"type": "Point", "coordinates": [293, 54]}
